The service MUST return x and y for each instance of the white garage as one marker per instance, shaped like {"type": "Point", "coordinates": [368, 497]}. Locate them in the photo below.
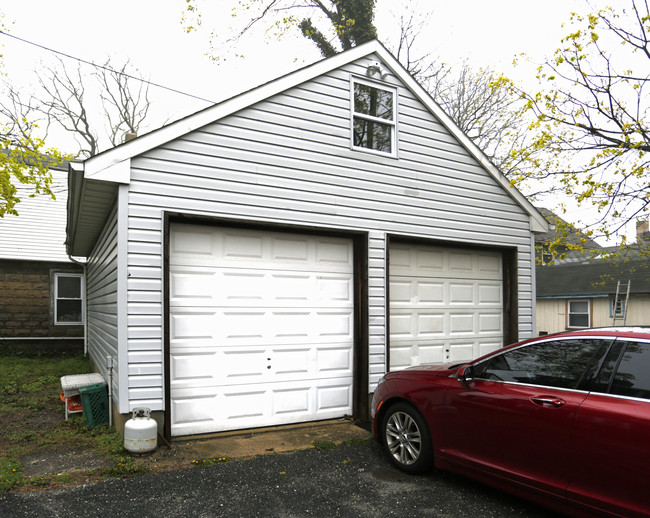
{"type": "Point", "coordinates": [266, 260]}
{"type": "Point", "coordinates": [446, 304]}
{"type": "Point", "coordinates": [261, 328]}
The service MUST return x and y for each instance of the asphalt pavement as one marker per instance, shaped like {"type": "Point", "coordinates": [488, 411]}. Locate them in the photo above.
{"type": "Point", "coordinates": [349, 481]}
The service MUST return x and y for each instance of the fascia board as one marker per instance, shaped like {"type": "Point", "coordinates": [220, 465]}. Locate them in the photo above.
{"type": "Point", "coordinates": [537, 221]}
{"type": "Point", "coordinates": [119, 172]}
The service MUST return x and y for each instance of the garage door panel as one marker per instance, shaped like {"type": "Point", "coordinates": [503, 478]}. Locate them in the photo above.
{"type": "Point", "coordinates": [192, 410]}
{"type": "Point", "coordinates": [241, 248]}
{"type": "Point", "coordinates": [192, 367]}
{"type": "Point", "coordinates": [238, 326]}
{"type": "Point", "coordinates": [462, 293]}
{"type": "Point", "coordinates": [190, 326]}
{"type": "Point", "coordinates": [462, 323]}
{"type": "Point", "coordinates": [405, 323]}
{"type": "Point", "coordinates": [336, 399]}
{"type": "Point", "coordinates": [194, 286]}
{"type": "Point", "coordinates": [491, 294]}
{"type": "Point", "coordinates": [489, 265]}
{"type": "Point", "coordinates": [444, 303]}
{"type": "Point", "coordinates": [334, 360]}
{"type": "Point", "coordinates": [460, 261]}
{"type": "Point", "coordinates": [292, 402]}
{"type": "Point", "coordinates": [240, 366]}
{"type": "Point", "coordinates": [490, 323]}
{"type": "Point", "coordinates": [205, 409]}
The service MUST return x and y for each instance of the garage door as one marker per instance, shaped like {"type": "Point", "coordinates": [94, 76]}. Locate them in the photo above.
{"type": "Point", "coordinates": [261, 328]}
{"type": "Point", "coordinates": [446, 304]}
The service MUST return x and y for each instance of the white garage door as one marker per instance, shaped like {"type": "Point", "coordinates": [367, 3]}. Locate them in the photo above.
{"type": "Point", "coordinates": [446, 304]}
{"type": "Point", "coordinates": [261, 328]}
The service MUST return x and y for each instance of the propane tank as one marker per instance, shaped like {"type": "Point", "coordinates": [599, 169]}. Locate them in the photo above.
{"type": "Point", "coordinates": [140, 432]}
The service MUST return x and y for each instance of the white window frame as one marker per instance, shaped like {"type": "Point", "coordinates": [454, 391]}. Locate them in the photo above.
{"type": "Point", "coordinates": [569, 313]}
{"type": "Point", "coordinates": [392, 123]}
{"type": "Point", "coordinates": [57, 276]}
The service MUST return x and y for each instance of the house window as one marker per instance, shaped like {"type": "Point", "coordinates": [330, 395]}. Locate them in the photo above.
{"type": "Point", "coordinates": [68, 298]}
{"type": "Point", "coordinates": [616, 307]}
{"type": "Point", "coordinates": [579, 313]}
{"type": "Point", "coordinates": [373, 118]}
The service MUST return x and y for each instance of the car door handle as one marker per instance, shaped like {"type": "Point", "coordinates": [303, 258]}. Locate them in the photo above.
{"type": "Point", "coordinates": [546, 401]}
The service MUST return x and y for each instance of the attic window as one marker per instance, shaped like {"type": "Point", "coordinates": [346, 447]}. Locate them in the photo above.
{"type": "Point", "coordinates": [373, 117]}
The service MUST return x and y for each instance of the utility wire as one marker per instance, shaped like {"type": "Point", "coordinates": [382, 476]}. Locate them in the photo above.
{"type": "Point", "coordinates": [105, 68]}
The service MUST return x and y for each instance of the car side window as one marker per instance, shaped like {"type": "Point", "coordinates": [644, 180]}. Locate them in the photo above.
{"type": "Point", "coordinates": [632, 377]}
{"type": "Point", "coordinates": [558, 363]}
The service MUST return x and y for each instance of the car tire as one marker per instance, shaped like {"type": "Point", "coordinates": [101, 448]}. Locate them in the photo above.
{"type": "Point", "coordinates": [406, 438]}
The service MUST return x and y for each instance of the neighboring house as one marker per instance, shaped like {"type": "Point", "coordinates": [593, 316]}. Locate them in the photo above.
{"type": "Point", "coordinates": [581, 291]}
{"type": "Point", "coordinates": [574, 245]}
{"type": "Point", "coordinates": [266, 260]}
{"type": "Point", "coordinates": [41, 289]}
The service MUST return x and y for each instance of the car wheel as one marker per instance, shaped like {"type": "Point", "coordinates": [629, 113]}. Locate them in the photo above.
{"type": "Point", "coordinates": [406, 438]}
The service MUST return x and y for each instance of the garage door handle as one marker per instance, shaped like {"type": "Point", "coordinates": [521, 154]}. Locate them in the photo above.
{"type": "Point", "coordinates": [548, 401]}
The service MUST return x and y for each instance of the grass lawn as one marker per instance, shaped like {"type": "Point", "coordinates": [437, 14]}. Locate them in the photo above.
{"type": "Point", "coordinates": [33, 423]}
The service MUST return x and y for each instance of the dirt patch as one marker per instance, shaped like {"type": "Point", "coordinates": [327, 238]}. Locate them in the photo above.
{"type": "Point", "coordinates": [58, 462]}
{"type": "Point", "coordinates": [238, 445]}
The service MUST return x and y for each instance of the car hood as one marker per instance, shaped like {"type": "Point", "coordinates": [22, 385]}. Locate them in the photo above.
{"type": "Point", "coordinates": [442, 370]}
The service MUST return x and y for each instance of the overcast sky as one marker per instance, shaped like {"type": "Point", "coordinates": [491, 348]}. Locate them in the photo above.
{"type": "Point", "coordinates": [150, 34]}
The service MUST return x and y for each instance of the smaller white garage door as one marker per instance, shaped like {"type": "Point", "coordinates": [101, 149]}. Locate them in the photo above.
{"type": "Point", "coordinates": [261, 328]}
{"type": "Point", "coordinates": [446, 304]}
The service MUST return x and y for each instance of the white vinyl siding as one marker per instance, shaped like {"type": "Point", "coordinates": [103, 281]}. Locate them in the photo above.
{"type": "Point", "coordinates": [287, 160]}
{"type": "Point", "coordinates": [38, 232]}
{"type": "Point", "coordinates": [102, 307]}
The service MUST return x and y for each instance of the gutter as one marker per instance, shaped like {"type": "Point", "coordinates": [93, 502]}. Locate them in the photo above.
{"type": "Point", "coordinates": [75, 188]}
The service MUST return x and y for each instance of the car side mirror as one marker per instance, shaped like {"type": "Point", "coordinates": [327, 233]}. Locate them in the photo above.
{"type": "Point", "coordinates": [466, 374]}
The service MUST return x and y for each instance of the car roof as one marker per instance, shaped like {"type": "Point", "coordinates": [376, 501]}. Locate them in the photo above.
{"type": "Point", "coordinates": [620, 331]}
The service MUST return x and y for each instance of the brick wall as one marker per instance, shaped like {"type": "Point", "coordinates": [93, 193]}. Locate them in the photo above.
{"type": "Point", "coordinates": [26, 306]}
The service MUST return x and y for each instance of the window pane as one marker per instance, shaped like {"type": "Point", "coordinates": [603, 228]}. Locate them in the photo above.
{"type": "Point", "coordinates": [69, 287]}
{"type": "Point", "coordinates": [578, 320]}
{"type": "Point", "coordinates": [632, 377]}
{"type": "Point", "coordinates": [579, 307]}
{"type": "Point", "coordinates": [68, 311]}
{"type": "Point", "coordinates": [372, 101]}
{"type": "Point", "coordinates": [372, 135]}
{"type": "Point", "coordinates": [561, 363]}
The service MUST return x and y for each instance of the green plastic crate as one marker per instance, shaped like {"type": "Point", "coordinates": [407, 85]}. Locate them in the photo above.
{"type": "Point", "coordinates": [94, 401]}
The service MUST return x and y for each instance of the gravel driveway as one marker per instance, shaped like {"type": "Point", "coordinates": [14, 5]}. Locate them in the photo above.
{"type": "Point", "coordinates": [350, 481]}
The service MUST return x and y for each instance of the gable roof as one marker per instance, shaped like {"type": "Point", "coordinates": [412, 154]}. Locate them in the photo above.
{"type": "Point", "coordinates": [99, 175]}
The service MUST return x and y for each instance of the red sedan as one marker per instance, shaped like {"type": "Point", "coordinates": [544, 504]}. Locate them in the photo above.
{"type": "Point", "coordinates": [561, 419]}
